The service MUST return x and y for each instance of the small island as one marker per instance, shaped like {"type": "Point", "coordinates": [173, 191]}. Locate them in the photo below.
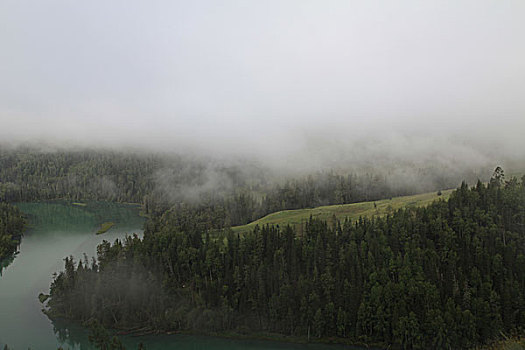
{"type": "Point", "coordinates": [105, 227]}
{"type": "Point", "coordinates": [43, 297]}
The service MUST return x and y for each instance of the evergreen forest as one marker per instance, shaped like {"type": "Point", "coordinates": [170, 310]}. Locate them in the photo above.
{"type": "Point", "coordinates": [451, 275]}
{"type": "Point", "coordinates": [216, 194]}
{"type": "Point", "coordinates": [11, 228]}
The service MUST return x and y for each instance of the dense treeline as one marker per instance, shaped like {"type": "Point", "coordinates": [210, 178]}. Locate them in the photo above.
{"type": "Point", "coordinates": [217, 194]}
{"type": "Point", "coordinates": [242, 205]}
{"type": "Point", "coordinates": [451, 275]}
{"type": "Point", "coordinates": [11, 226]}
{"type": "Point", "coordinates": [28, 175]}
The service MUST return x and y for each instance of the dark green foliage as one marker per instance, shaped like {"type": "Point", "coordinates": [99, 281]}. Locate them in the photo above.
{"type": "Point", "coordinates": [102, 339]}
{"type": "Point", "coordinates": [11, 227]}
{"type": "Point", "coordinates": [451, 275]}
{"type": "Point", "coordinates": [28, 174]}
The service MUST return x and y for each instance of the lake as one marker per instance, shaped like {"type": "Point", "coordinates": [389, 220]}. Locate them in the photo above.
{"type": "Point", "coordinates": [60, 229]}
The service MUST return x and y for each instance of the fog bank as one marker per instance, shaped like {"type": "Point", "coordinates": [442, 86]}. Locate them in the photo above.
{"type": "Point", "coordinates": [295, 84]}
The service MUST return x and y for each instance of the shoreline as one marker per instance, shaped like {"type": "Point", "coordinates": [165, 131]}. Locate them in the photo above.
{"type": "Point", "coordinates": [137, 332]}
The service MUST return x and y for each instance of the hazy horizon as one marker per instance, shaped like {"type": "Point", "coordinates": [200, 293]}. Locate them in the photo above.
{"type": "Point", "coordinates": [286, 82]}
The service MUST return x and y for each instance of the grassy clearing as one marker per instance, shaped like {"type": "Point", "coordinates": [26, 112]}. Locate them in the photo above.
{"type": "Point", "coordinates": [351, 211]}
{"type": "Point", "coordinates": [105, 227]}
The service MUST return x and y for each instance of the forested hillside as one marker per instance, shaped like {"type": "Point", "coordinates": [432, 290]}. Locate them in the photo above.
{"type": "Point", "coordinates": [220, 195]}
{"type": "Point", "coordinates": [451, 275]}
{"type": "Point", "coordinates": [28, 174]}
{"type": "Point", "coordinates": [11, 226]}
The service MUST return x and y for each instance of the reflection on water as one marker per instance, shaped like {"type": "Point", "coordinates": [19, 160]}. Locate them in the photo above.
{"type": "Point", "coordinates": [75, 337]}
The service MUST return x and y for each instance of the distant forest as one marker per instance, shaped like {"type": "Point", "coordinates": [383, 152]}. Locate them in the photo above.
{"type": "Point", "coordinates": [451, 275]}
{"type": "Point", "coordinates": [218, 196]}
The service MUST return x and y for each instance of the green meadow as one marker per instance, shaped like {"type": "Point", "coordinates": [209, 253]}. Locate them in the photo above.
{"type": "Point", "coordinates": [345, 211]}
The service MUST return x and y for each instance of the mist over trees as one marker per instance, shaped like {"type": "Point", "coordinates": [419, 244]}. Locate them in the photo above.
{"type": "Point", "coordinates": [212, 115]}
{"type": "Point", "coordinates": [442, 276]}
{"type": "Point", "coordinates": [449, 275]}
{"type": "Point", "coordinates": [230, 192]}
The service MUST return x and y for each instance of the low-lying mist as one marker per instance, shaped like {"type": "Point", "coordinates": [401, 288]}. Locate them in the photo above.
{"type": "Point", "coordinates": [399, 164]}
{"type": "Point", "coordinates": [280, 90]}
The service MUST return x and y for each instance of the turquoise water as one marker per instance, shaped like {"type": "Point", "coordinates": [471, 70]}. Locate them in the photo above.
{"type": "Point", "coordinates": [60, 229]}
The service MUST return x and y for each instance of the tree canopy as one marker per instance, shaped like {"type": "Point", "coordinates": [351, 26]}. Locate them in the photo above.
{"type": "Point", "coordinates": [451, 275]}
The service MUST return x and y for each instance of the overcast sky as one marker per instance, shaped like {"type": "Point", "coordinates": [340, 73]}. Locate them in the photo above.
{"type": "Point", "coordinates": [263, 76]}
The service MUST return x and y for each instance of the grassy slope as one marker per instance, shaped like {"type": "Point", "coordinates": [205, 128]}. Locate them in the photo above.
{"type": "Point", "coordinates": [351, 211]}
